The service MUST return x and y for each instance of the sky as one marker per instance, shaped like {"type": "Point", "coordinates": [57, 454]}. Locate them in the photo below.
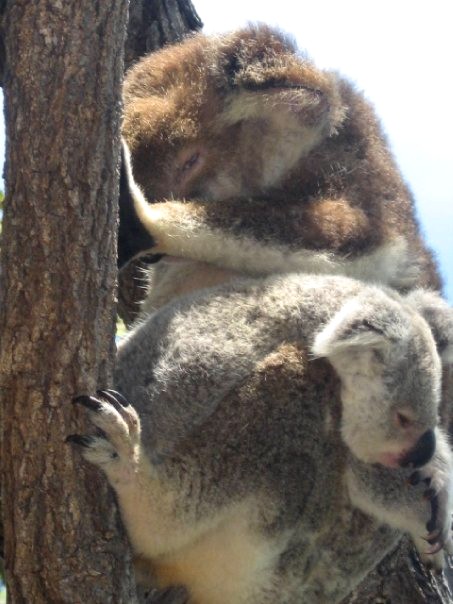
{"type": "Point", "coordinates": [399, 52]}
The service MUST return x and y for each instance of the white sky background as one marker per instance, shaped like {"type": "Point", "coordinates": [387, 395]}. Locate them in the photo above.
{"type": "Point", "coordinates": [400, 52]}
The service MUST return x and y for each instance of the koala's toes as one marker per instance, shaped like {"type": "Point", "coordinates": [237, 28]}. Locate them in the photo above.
{"type": "Point", "coordinates": [122, 407]}
{"type": "Point", "coordinates": [114, 397]}
{"type": "Point", "coordinates": [439, 538]}
{"type": "Point", "coordinates": [117, 420]}
{"type": "Point", "coordinates": [432, 523]}
{"type": "Point", "coordinates": [90, 402]}
{"type": "Point", "coordinates": [95, 449]}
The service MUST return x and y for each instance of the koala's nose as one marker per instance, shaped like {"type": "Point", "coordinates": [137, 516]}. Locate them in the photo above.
{"type": "Point", "coordinates": [422, 451]}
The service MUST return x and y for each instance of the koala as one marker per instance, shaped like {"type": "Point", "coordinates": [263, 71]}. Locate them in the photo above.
{"type": "Point", "coordinates": [274, 437]}
{"type": "Point", "coordinates": [250, 160]}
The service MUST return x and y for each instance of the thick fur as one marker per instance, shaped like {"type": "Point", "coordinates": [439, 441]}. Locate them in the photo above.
{"type": "Point", "coordinates": [248, 470]}
{"type": "Point", "coordinates": [262, 163]}
{"type": "Point", "coordinates": [245, 460]}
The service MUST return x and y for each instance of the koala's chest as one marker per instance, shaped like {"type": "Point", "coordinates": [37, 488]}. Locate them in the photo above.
{"type": "Point", "coordinates": [226, 565]}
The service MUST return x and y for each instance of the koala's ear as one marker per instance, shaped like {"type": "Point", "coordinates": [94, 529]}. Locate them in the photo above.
{"type": "Point", "coordinates": [264, 75]}
{"type": "Point", "coordinates": [353, 330]}
{"type": "Point", "coordinates": [439, 316]}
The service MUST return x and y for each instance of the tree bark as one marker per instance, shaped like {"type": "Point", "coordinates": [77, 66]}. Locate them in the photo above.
{"type": "Point", "coordinates": [64, 66]}
{"type": "Point", "coordinates": [56, 310]}
{"type": "Point", "coordinates": [154, 23]}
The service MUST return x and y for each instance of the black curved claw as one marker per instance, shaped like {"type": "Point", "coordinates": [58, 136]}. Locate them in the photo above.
{"type": "Point", "coordinates": [90, 402]}
{"type": "Point", "coordinates": [114, 397]}
{"type": "Point", "coordinates": [431, 524]}
{"type": "Point", "coordinates": [171, 595]}
{"type": "Point", "coordinates": [414, 478]}
{"type": "Point", "coordinates": [429, 494]}
{"type": "Point", "coordinates": [78, 439]}
{"type": "Point", "coordinates": [436, 548]}
{"type": "Point", "coordinates": [432, 540]}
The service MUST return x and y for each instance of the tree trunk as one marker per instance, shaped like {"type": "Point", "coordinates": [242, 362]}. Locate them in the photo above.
{"type": "Point", "coordinates": [62, 83]}
{"type": "Point", "coordinates": [154, 23]}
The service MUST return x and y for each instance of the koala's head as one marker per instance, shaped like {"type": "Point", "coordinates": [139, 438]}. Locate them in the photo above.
{"type": "Point", "coordinates": [387, 357]}
{"type": "Point", "coordinates": [222, 116]}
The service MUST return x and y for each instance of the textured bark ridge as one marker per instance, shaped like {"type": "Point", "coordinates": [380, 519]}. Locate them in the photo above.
{"type": "Point", "coordinates": [62, 84]}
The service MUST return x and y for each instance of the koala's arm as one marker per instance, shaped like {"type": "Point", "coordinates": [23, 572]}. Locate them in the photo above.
{"type": "Point", "coordinates": [149, 494]}
{"type": "Point", "coordinates": [415, 502]}
{"type": "Point", "coordinates": [265, 237]}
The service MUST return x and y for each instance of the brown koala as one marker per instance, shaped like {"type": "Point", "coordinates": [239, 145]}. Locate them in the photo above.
{"type": "Point", "coordinates": [262, 163]}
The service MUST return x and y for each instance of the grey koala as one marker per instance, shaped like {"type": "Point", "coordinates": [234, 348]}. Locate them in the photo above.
{"type": "Point", "coordinates": [269, 453]}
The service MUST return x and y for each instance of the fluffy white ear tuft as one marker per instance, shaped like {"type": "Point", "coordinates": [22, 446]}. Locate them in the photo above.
{"type": "Point", "coordinates": [141, 206]}
{"type": "Point", "coordinates": [439, 316]}
{"type": "Point", "coordinates": [350, 331]}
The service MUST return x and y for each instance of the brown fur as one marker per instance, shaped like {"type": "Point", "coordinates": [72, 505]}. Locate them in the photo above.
{"type": "Point", "coordinates": [243, 102]}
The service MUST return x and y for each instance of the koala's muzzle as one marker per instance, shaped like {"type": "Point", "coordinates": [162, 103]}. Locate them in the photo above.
{"type": "Point", "coordinates": [422, 452]}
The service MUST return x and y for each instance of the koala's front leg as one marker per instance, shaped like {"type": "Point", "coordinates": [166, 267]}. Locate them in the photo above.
{"type": "Point", "coordinates": [146, 497]}
{"type": "Point", "coordinates": [435, 482]}
{"type": "Point", "coordinates": [419, 503]}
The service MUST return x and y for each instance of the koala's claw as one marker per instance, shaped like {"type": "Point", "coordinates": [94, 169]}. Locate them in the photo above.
{"type": "Point", "coordinates": [78, 439]}
{"type": "Point", "coordinates": [114, 397]}
{"type": "Point", "coordinates": [435, 549]}
{"type": "Point", "coordinates": [434, 500]}
{"type": "Point", "coordinates": [429, 494]}
{"type": "Point", "coordinates": [117, 429]}
{"type": "Point", "coordinates": [433, 483]}
{"type": "Point", "coordinates": [416, 477]}
{"type": "Point", "coordinates": [90, 402]}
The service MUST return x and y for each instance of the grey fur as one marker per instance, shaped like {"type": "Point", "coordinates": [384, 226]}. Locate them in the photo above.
{"type": "Point", "coordinates": [239, 436]}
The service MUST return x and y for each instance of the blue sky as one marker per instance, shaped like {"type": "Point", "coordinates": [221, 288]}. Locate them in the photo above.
{"type": "Point", "coordinates": [399, 52]}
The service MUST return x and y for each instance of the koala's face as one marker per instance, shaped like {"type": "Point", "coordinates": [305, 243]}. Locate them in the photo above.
{"type": "Point", "coordinates": [390, 371]}
{"type": "Point", "coordinates": [391, 405]}
{"type": "Point", "coordinates": [222, 117]}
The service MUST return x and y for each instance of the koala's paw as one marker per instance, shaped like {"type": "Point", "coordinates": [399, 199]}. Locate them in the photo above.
{"type": "Point", "coordinates": [117, 438]}
{"type": "Point", "coordinates": [435, 486]}
{"type": "Point", "coordinates": [171, 595]}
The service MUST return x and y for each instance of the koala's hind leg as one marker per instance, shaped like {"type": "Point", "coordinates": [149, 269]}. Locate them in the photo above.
{"type": "Point", "coordinates": [146, 496]}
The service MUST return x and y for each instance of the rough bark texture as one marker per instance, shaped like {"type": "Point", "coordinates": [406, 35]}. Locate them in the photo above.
{"type": "Point", "coordinates": [62, 89]}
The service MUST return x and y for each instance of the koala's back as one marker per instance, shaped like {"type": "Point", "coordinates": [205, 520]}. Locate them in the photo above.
{"type": "Point", "coordinates": [226, 391]}
{"type": "Point", "coordinates": [268, 466]}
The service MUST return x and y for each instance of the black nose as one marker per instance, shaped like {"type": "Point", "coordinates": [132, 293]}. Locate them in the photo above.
{"type": "Point", "coordinates": [422, 452]}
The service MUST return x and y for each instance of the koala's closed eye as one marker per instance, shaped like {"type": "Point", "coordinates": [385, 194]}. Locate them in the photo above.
{"type": "Point", "coordinates": [284, 163]}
